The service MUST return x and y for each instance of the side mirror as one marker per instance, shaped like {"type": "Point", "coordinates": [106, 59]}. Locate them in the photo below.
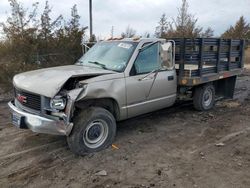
{"type": "Point", "coordinates": [166, 54]}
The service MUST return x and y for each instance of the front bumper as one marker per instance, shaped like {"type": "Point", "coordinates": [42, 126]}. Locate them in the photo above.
{"type": "Point", "coordinates": [39, 124]}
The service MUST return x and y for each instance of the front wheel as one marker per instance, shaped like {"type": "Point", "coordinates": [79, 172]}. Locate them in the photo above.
{"type": "Point", "coordinates": [204, 97]}
{"type": "Point", "coordinates": [94, 130]}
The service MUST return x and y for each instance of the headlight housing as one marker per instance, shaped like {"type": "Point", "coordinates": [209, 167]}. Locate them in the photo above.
{"type": "Point", "coordinates": [58, 103]}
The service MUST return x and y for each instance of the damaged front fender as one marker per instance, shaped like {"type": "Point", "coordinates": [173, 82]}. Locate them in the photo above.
{"type": "Point", "coordinates": [72, 97]}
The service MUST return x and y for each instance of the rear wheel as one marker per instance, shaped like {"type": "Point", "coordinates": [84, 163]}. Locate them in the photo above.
{"type": "Point", "coordinates": [204, 97]}
{"type": "Point", "coordinates": [94, 130]}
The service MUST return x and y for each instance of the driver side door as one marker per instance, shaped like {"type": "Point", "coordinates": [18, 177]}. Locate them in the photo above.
{"type": "Point", "coordinates": [149, 87]}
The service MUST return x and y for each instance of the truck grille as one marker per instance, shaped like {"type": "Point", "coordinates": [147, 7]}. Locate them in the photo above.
{"type": "Point", "coordinates": [28, 100]}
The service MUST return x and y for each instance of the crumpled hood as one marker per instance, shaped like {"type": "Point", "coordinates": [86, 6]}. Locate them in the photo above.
{"type": "Point", "coordinates": [48, 82]}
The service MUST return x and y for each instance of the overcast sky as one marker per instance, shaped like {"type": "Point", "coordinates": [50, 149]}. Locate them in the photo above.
{"type": "Point", "coordinates": [143, 15]}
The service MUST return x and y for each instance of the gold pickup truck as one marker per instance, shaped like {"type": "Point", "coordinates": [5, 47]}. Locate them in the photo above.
{"type": "Point", "coordinates": [119, 79]}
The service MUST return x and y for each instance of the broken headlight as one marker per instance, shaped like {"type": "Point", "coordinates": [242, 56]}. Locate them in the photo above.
{"type": "Point", "coordinates": [58, 103]}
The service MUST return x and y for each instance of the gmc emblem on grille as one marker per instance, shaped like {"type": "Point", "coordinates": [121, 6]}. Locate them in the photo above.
{"type": "Point", "coordinates": [21, 98]}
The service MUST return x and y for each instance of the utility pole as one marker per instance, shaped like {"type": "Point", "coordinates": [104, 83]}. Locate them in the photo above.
{"type": "Point", "coordinates": [90, 19]}
{"type": "Point", "coordinates": [112, 32]}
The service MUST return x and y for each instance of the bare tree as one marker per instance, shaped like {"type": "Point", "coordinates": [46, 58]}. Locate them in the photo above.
{"type": "Point", "coordinates": [208, 33]}
{"type": "Point", "coordinates": [129, 32]}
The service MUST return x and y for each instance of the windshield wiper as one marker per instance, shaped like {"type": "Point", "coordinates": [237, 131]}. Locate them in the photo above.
{"type": "Point", "coordinates": [99, 64]}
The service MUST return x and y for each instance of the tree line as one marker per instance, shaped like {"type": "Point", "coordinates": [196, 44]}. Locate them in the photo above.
{"type": "Point", "coordinates": [27, 32]}
{"type": "Point", "coordinates": [184, 25]}
{"type": "Point", "coordinates": [32, 41]}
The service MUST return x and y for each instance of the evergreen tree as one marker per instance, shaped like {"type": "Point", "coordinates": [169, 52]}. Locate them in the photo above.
{"type": "Point", "coordinates": [241, 30]}
{"type": "Point", "coordinates": [47, 31]}
{"type": "Point", "coordinates": [75, 20]}
{"type": "Point", "coordinates": [186, 23]}
{"type": "Point", "coordinates": [74, 34]}
{"type": "Point", "coordinates": [183, 26]}
{"type": "Point", "coordinates": [163, 27]}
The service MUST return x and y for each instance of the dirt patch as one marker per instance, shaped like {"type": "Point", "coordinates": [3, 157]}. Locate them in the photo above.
{"type": "Point", "coordinates": [5, 95]}
{"type": "Point", "coordinates": [174, 147]}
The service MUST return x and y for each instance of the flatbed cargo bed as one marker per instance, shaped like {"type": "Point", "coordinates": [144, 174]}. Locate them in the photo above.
{"type": "Point", "coordinates": [202, 60]}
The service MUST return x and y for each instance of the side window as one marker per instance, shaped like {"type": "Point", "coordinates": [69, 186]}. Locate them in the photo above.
{"type": "Point", "coordinates": [147, 60]}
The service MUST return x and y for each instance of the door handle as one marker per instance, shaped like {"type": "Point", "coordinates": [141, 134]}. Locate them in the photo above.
{"type": "Point", "coordinates": [170, 78]}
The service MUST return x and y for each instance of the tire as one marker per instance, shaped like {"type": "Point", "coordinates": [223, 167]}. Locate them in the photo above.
{"type": "Point", "coordinates": [94, 130]}
{"type": "Point", "coordinates": [204, 97]}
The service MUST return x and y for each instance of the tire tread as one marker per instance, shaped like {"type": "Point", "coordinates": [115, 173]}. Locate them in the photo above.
{"type": "Point", "coordinates": [81, 120]}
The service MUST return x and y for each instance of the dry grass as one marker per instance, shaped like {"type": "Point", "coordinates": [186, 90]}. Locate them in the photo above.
{"type": "Point", "coordinates": [9, 69]}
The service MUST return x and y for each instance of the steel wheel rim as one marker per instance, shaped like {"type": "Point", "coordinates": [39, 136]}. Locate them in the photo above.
{"type": "Point", "coordinates": [208, 97]}
{"type": "Point", "coordinates": [95, 134]}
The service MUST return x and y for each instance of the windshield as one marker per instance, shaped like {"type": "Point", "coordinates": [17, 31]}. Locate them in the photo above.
{"type": "Point", "coordinates": [111, 55]}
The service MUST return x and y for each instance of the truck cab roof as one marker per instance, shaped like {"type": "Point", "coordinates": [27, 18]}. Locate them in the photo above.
{"type": "Point", "coordinates": [138, 39]}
